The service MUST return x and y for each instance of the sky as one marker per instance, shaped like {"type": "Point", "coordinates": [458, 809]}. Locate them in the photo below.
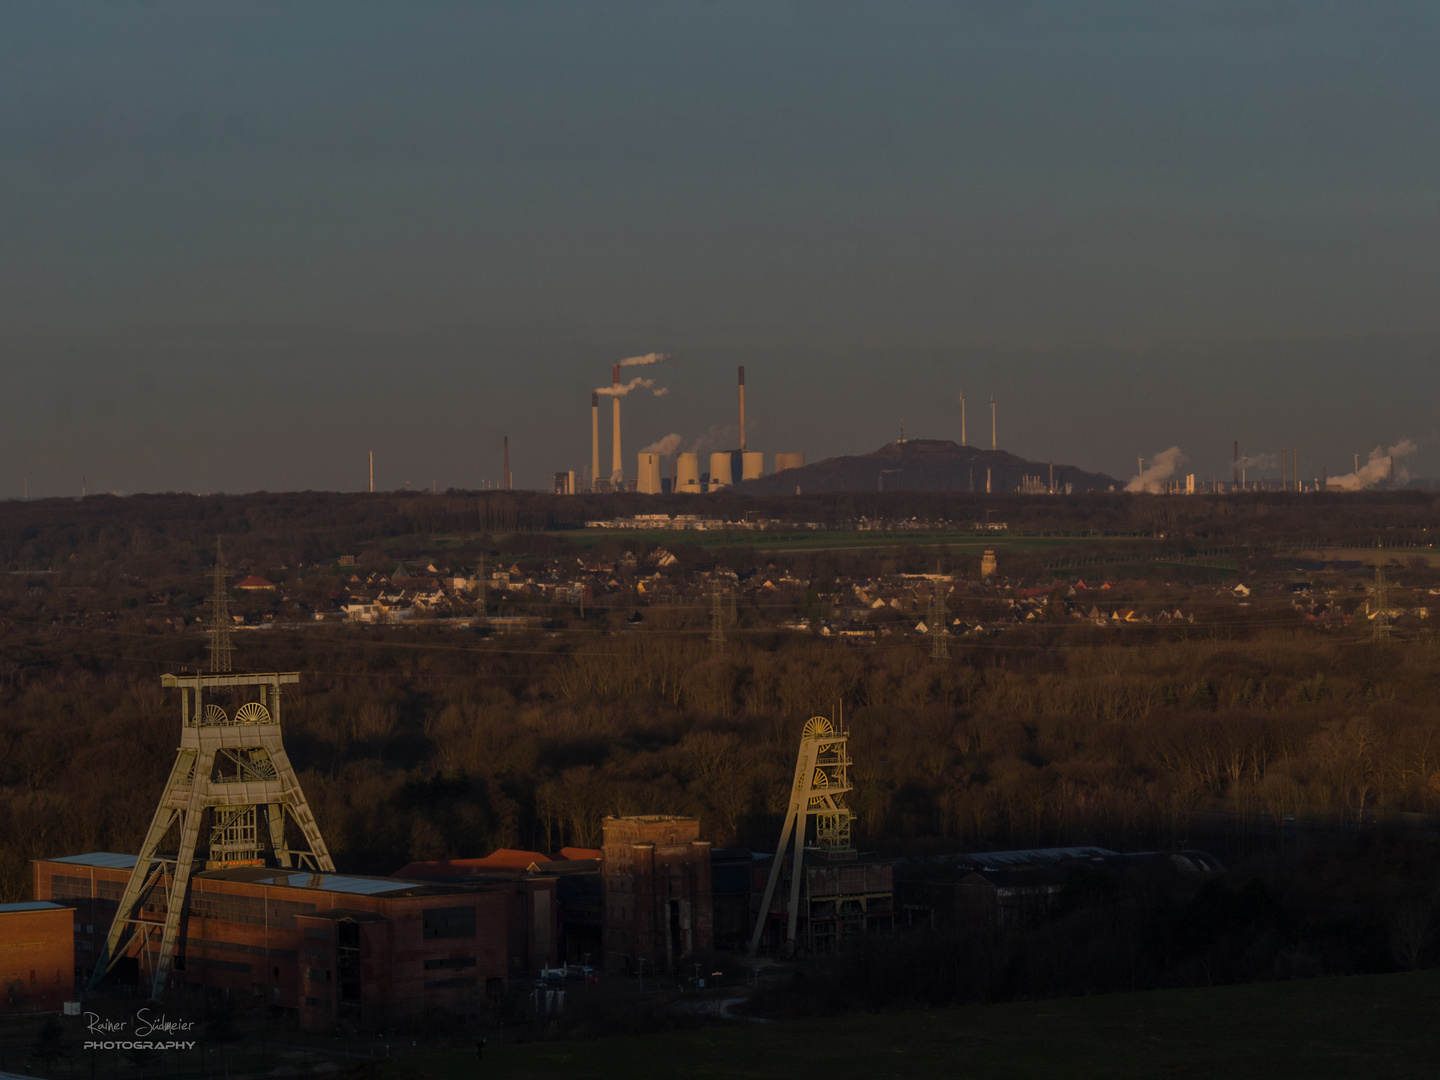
{"type": "Point", "coordinates": [243, 245]}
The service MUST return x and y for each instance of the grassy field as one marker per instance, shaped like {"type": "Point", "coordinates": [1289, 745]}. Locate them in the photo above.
{"type": "Point", "coordinates": [1379, 1025]}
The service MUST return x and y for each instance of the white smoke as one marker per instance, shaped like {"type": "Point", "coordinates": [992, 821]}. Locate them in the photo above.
{"type": "Point", "coordinates": [621, 389]}
{"type": "Point", "coordinates": [1258, 463]}
{"type": "Point", "coordinates": [668, 445]}
{"type": "Point", "coordinates": [643, 361]}
{"type": "Point", "coordinates": [714, 437]}
{"type": "Point", "coordinates": [1162, 467]}
{"type": "Point", "coordinates": [1375, 470]}
{"type": "Point", "coordinates": [662, 391]}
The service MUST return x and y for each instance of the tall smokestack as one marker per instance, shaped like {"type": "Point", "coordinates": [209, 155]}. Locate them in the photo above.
{"type": "Point", "coordinates": [742, 408]}
{"type": "Point", "coordinates": [507, 462]}
{"type": "Point", "coordinates": [372, 472]}
{"type": "Point", "coordinates": [594, 440]}
{"type": "Point", "coordinates": [616, 469]}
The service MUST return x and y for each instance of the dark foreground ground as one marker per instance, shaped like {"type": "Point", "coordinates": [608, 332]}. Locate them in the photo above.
{"type": "Point", "coordinates": [1374, 1025]}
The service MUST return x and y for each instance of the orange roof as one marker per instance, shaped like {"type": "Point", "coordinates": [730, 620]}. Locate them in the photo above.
{"type": "Point", "coordinates": [579, 853]}
{"type": "Point", "coordinates": [253, 582]}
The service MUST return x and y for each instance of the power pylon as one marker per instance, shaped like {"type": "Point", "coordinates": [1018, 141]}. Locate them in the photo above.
{"type": "Point", "coordinates": [220, 647]}
{"type": "Point", "coordinates": [1380, 617]}
{"type": "Point", "coordinates": [939, 632]}
{"type": "Point", "coordinates": [226, 769]}
{"type": "Point", "coordinates": [717, 620]}
{"type": "Point", "coordinates": [821, 780]}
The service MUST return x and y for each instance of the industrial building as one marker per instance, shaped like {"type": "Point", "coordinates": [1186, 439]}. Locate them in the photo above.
{"type": "Point", "coordinates": [659, 907]}
{"type": "Point", "coordinates": [325, 946]}
{"type": "Point", "coordinates": [37, 957]}
{"type": "Point", "coordinates": [839, 899]}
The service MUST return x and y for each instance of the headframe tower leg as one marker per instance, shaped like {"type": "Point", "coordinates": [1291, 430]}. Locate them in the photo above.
{"type": "Point", "coordinates": [229, 771]}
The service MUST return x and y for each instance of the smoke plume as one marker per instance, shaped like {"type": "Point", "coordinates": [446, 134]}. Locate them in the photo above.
{"type": "Point", "coordinates": [668, 445]}
{"type": "Point", "coordinates": [1374, 470]}
{"type": "Point", "coordinates": [643, 361]}
{"type": "Point", "coordinates": [621, 389]}
{"type": "Point", "coordinates": [662, 391]}
{"type": "Point", "coordinates": [1259, 463]}
{"type": "Point", "coordinates": [1162, 467]}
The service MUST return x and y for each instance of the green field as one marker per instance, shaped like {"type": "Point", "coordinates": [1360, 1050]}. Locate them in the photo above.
{"type": "Point", "coordinates": [1376, 1025]}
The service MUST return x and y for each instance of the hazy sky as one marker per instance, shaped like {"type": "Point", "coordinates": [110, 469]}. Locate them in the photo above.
{"type": "Point", "coordinates": [242, 244]}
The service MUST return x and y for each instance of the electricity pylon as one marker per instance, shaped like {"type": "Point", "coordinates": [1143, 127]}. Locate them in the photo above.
{"type": "Point", "coordinates": [227, 767]}
{"type": "Point", "coordinates": [939, 645]}
{"type": "Point", "coordinates": [821, 780]}
{"type": "Point", "coordinates": [1380, 618]}
{"type": "Point", "coordinates": [220, 648]}
{"type": "Point", "coordinates": [717, 621]}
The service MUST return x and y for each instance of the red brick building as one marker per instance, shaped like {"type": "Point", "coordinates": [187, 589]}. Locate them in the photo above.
{"type": "Point", "coordinates": [37, 957]}
{"type": "Point", "coordinates": [328, 946]}
{"type": "Point", "coordinates": [658, 906]}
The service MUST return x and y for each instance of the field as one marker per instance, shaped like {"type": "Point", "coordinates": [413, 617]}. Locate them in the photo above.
{"type": "Point", "coordinates": [1374, 1025]}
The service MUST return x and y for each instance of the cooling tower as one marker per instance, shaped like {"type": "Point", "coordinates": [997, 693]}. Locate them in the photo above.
{"type": "Point", "coordinates": [789, 461]}
{"type": "Point", "coordinates": [720, 471]}
{"type": "Point", "coordinates": [752, 465]}
{"type": "Point", "coordinates": [648, 476]}
{"type": "Point", "coordinates": [687, 473]}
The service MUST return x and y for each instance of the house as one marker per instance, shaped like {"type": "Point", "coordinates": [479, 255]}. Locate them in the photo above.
{"type": "Point", "coordinates": [255, 584]}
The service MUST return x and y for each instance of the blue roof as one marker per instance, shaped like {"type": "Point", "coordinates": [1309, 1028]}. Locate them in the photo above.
{"type": "Point", "coordinates": [31, 905]}
{"type": "Point", "coordinates": [110, 860]}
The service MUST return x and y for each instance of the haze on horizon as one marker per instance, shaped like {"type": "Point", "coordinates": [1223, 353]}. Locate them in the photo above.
{"type": "Point", "coordinates": [241, 245]}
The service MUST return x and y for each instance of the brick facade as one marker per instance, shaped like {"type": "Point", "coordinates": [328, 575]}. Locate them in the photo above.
{"type": "Point", "coordinates": [37, 957]}
{"type": "Point", "coordinates": [658, 907]}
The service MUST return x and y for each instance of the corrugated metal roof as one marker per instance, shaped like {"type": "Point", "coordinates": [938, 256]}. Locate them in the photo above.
{"type": "Point", "coordinates": [111, 860]}
{"type": "Point", "coordinates": [30, 905]}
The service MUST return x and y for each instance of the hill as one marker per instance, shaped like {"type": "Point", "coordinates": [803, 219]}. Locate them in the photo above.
{"type": "Point", "coordinates": [926, 465]}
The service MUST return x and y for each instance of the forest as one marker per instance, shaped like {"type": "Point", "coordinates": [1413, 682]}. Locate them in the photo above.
{"type": "Point", "coordinates": [426, 741]}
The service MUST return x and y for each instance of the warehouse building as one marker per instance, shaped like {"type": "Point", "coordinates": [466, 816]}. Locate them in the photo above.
{"type": "Point", "coordinates": [658, 903]}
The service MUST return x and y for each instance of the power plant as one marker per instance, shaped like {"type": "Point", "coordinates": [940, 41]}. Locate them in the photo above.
{"type": "Point", "coordinates": [725, 467]}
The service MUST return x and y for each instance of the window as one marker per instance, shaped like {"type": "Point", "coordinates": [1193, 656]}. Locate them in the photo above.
{"type": "Point", "coordinates": [448, 922]}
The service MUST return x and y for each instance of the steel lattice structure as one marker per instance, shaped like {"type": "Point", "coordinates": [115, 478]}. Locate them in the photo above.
{"type": "Point", "coordinates": [230, 773]}
{"type": "Point", "coordinates": [822, 778]}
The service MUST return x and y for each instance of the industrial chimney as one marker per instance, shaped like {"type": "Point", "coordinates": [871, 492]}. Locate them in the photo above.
{"type": "Point", "coordinates": [594, 440]}
{"type": "Point", "coordinates": [742, 408]}
{"type": "Point", "coordinates": [616, 469]}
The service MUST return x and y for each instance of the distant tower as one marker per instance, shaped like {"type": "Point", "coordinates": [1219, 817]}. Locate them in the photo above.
{"type": "Point", "coordinates": [617, 469]}
{"type": "Point", "coordinates": [594, 440]}
{"type": "Point", "coordinates": [226, 769]}
{"type": "Point", "coordinates": [1380, 617]}
{"type": "Point", "coordinates": [220, 647]}
{"type": "Point", "coordinates": [939, 646]}
{"type": "Point", "coordinates": [818, 790]}
{"type": "Point", "coordinates": [717, 619]}
{"type": "Point", "coordinates": [372, 472]}
{"type": "Point", "coordinates": [742, 408]}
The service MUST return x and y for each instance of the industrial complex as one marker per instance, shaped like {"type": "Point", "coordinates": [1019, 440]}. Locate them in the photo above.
{"type": "Point", "coordinates": [688, 473]}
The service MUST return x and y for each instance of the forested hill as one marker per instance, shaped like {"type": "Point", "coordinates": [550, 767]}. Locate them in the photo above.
{"type": "Point", "coordinates": [928, 465]}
